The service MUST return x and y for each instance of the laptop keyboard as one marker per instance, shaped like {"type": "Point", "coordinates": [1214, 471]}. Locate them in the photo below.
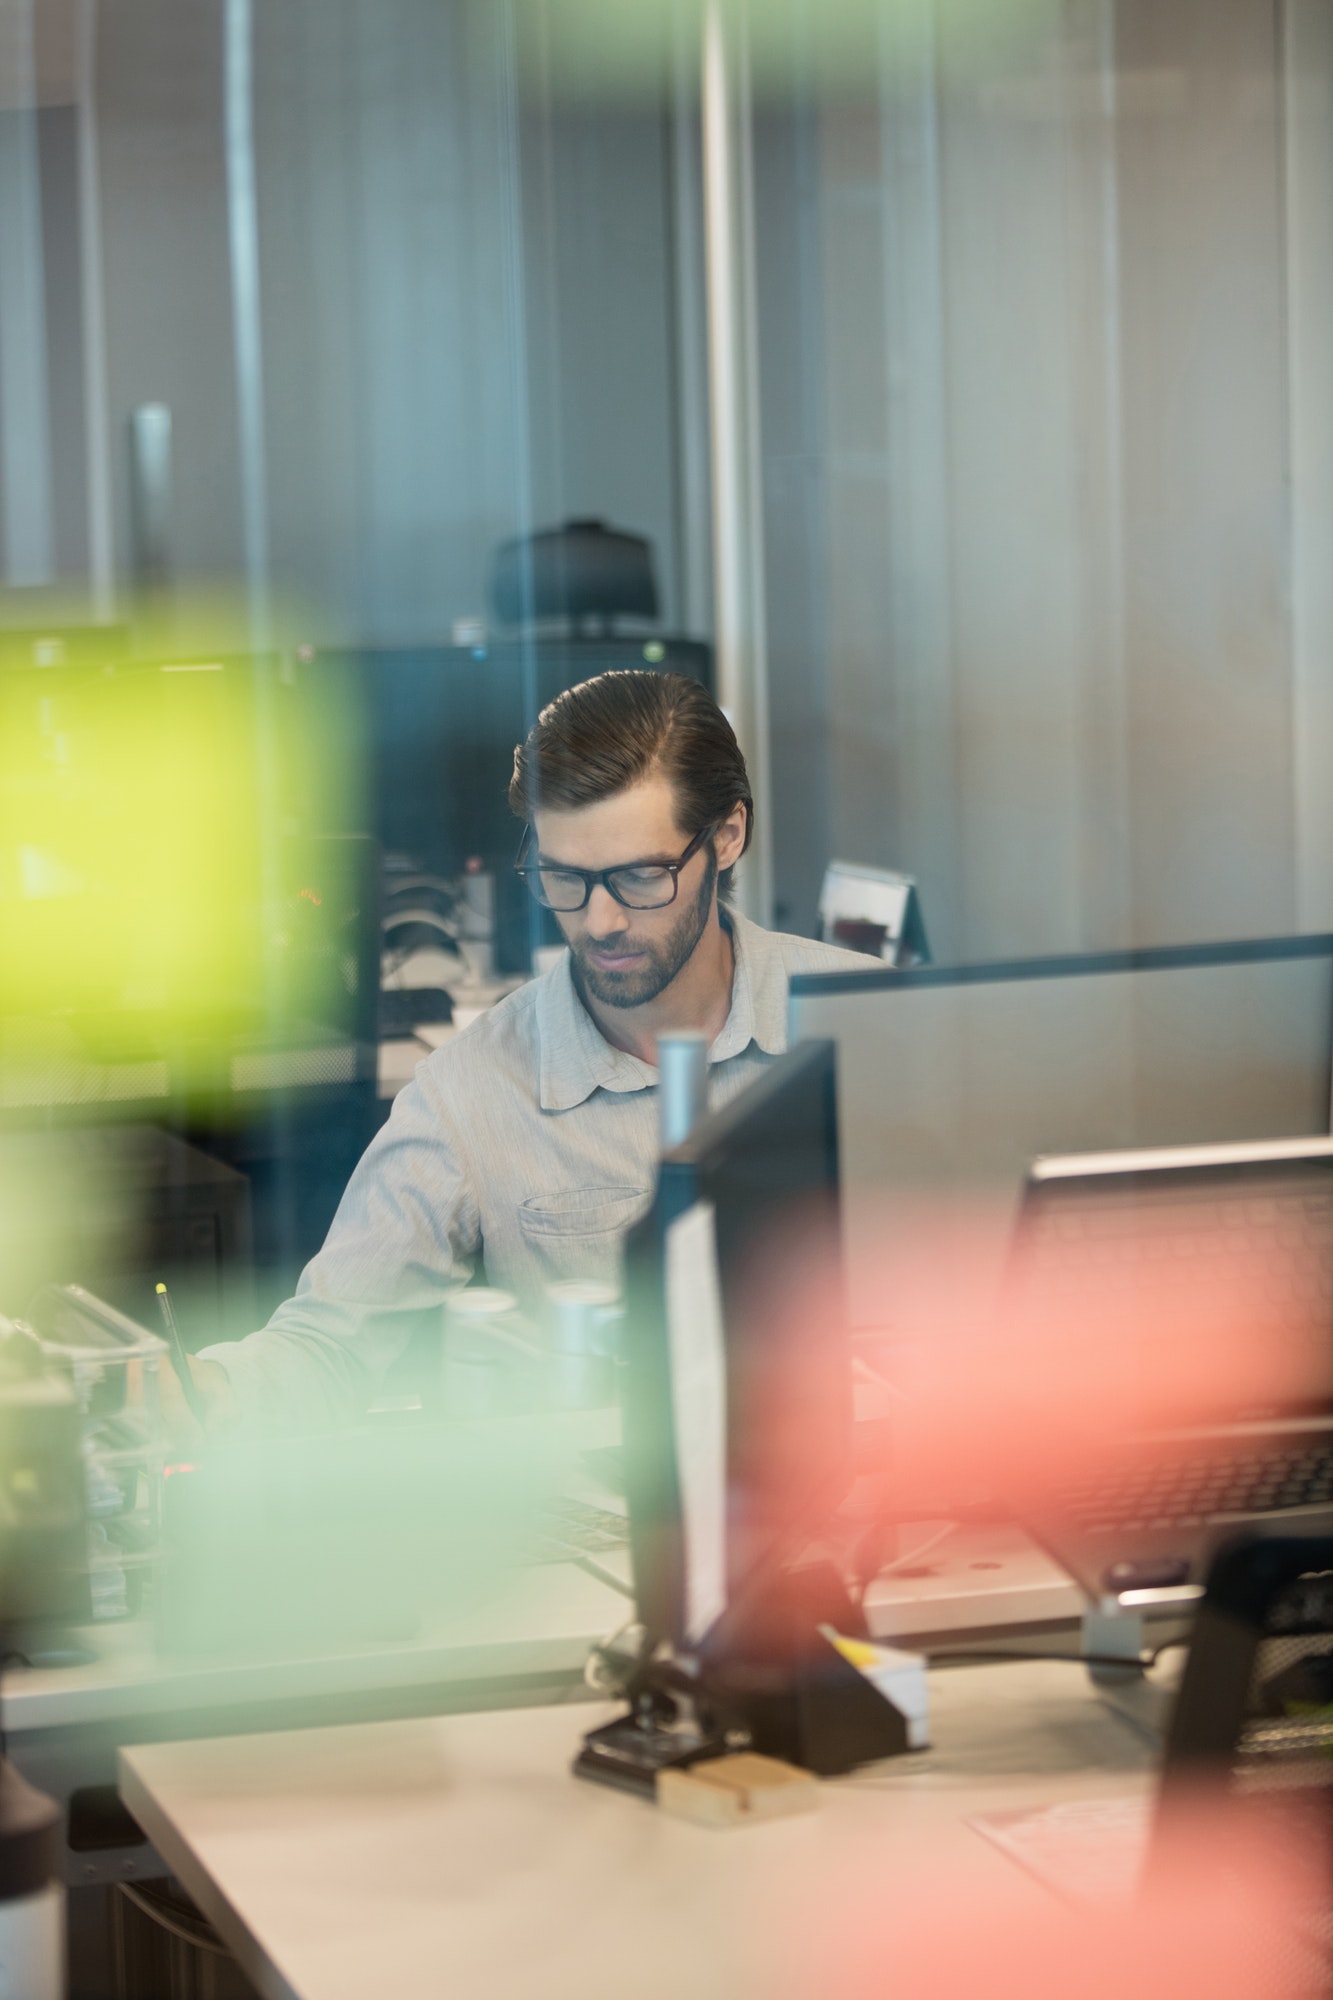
{"type": "Point", "coordinates": [1172, 1492]}
{"type": "Point", "coordinates": [572, 1528]}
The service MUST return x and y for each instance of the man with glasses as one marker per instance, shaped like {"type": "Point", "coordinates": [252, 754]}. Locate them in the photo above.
{"type": "Point", "coordinates": [526, 1146]}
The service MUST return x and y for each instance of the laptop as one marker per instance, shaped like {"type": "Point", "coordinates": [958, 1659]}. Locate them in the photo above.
{"type": "Point", "coordinates": [1199, 1281]}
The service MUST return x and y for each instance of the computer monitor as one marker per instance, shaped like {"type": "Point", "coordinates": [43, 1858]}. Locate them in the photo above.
{"type": "Point", "coordinates": [952, 1079]}
{"type": "Point", "coordinates": [737, 1386]}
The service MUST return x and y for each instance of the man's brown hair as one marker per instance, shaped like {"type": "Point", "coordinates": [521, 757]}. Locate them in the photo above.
{"type": "Point", "coordinates": [607, 734]}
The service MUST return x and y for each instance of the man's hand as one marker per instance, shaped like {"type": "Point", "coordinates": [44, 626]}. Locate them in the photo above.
{"type": "Point", "coordinates": [214, 1392]}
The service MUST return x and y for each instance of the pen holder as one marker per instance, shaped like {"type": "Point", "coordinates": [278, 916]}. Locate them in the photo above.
{"type": "Point", "coordinates": [114, 1365]}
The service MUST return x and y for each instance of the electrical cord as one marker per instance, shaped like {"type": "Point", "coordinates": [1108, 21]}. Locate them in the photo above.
{"type": "Point", "coordinates": [607, 1671]}
{"type": "Point", "coordinates": [591, 1568]}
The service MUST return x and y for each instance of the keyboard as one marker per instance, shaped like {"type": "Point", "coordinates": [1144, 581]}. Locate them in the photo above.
{"type": "Point", "coordinates": [1144, 1252]}
{"type": "Point", "coordinates": [568, 1528]}
{"type": "Point", "coordinates": [1170, 1491]}
{"type": "Point", "coordinates": [403, 1008]}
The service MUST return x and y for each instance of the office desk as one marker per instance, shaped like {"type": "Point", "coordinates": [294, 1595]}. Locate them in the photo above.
{"type": "Point", "coordinates": [458, 1855]}
{"type": "Point", "coordinates": [64, 1725]}
{"type": "Point", "coordinates": [526, 1632]}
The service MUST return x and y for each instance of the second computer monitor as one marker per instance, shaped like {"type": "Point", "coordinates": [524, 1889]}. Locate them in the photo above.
{"type": "Point", "coordinates": [951, 1080]}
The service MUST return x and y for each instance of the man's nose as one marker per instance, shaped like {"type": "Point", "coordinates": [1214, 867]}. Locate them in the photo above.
{"type": "Point", "coordinates": [606, 917]}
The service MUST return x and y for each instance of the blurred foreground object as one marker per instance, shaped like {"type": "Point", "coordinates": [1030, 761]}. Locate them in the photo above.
{"type": "Point", "coordinates": [1252, 1734]}
{"type": "Point", "coordinates": [1225, 1893]}
{"type": "Point", "coordinates": [1194, 1286]}
{"type": "Point", "coordinates": [1150, 1326]}
{"type": "Point", "coordinates": [281, 1547]}
{"type": "Point", "coordinates": [955, 1078]}
{"type": "Point", "coordinates": [118, 1206]}
{"type": "Point", "coordinates": [166, 879]}
{"type": "Point", "coordinates": [1227, 1915]}
{"type": "Point", "coordinates": [41, 1574]}
{"type": "Point", "coordinates": [43, 1556]}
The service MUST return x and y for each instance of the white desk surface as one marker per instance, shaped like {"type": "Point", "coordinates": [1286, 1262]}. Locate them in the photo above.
{"type": "Point", "coordinates": [531, 1621]}
{"type": "Point", "coordinates": [458, 1854]}
{"type": "Point", "coordinates": [543, 1622]}
{"type": "Point", "coordinates": [540, 1621]}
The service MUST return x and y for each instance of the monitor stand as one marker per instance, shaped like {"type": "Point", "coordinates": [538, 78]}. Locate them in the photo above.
{"type": "Point", "coordinates": [767, 1680]}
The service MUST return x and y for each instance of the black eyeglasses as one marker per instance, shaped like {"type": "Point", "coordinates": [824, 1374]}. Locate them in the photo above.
{"type": "Point", "coordinates": [636, 885]}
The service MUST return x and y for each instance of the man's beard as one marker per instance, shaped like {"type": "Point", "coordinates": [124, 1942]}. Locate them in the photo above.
{"type": "Point", "coordinates": [661, 962]}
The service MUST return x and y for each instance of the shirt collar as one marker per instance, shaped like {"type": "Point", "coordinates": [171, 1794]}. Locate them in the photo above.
{"type": "Point", "coordinates": [576, 1059]}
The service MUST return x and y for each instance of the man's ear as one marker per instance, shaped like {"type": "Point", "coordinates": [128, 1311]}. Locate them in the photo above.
{"type": "Point", "coordinates": [729, 840]}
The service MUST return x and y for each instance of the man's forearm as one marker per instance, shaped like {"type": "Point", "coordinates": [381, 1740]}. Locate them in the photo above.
{"type": "Point", "coordinates": [297, 1375]}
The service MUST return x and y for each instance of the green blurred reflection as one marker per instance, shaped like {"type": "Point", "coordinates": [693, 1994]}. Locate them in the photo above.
{"type": "Point", "coordinates": [165, 877]}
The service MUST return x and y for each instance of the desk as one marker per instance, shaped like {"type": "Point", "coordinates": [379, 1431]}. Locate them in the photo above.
{"type": "Point", "coordinates": [457, 1855]}
{"type": "Point", "coordinates": [524, 1624]}
{"type": "Point", "coordinates": [64, 1725]}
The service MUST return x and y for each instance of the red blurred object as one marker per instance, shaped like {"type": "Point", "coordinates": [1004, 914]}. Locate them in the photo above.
{"type": "Point", "coordinates": [1229, 1914]}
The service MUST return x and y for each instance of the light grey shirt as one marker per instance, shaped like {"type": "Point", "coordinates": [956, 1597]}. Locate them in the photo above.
{"type": "Point", "coordinates": [524, 1147]}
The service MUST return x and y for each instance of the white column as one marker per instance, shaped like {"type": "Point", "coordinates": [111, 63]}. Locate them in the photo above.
{"type": "Point", "coordinates": [97, 436]}
{"type": "Point", "coordinates": [243, 249]}
{"type": "Point", "coordinates": [733, 382]}
{"type": "Point", "coordinates": [694, 561]}
{"type": "Point", "coordinates": [919, 678]}
{"type": "Point", "coordinates": [1307, 83]}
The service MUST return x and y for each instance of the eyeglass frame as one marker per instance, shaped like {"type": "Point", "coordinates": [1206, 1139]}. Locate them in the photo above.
{"type": "Point", "coordinates": [594, 878]}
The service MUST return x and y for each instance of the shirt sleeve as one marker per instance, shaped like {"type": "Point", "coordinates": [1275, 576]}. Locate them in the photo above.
{"type": "Point", "coordinates": [406, 1232]}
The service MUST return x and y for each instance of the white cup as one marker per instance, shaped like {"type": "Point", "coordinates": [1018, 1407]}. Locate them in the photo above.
{"type": "Point", "coordinates": [581, 1314]}
{"type": "Point", "coordinates": [473, 1361]}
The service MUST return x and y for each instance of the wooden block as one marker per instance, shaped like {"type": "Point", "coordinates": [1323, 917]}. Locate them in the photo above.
{"type": "Point", "coordinates": [733, 1791]}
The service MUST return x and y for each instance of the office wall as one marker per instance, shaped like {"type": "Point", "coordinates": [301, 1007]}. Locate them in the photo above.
{"type": "Point", "coordinates": [1307, 52]}
{"type": "Point", "coordinates": [1068, 643]}
{"type": "Point", "coordinates": [43, 524]}
{"type": "Point", "coordinates": [167, 291]}
{"type": "Point", "coordinates": [601, 321]}
{"type": "Point", "coordinates": [63, 284]}
{"type": "Point", "coordinates": [464, 300]}
{"type": "Point", "coordinates": [795, 493]}
{"type": "Point", "coordinates": [1207, 547]}
{"type": "Point", "coordinates": [391, 298]}
{"type": "Point", "coordinates": [1047, 418]}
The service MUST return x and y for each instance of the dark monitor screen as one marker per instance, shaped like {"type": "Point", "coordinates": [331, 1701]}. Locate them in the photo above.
{"type": "Point", "coordinates": [737, 1399]}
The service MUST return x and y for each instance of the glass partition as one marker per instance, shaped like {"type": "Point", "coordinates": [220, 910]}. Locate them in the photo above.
{"type": "Point", "coordinates": [942, 383]}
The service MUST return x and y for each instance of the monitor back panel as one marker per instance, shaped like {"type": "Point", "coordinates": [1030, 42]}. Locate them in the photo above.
{"type": "Point", "coordinates": [952, 1080]}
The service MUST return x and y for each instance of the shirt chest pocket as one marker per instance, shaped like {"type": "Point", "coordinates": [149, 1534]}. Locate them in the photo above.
{"type": "Point", "coordinates": [580, 1232]}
